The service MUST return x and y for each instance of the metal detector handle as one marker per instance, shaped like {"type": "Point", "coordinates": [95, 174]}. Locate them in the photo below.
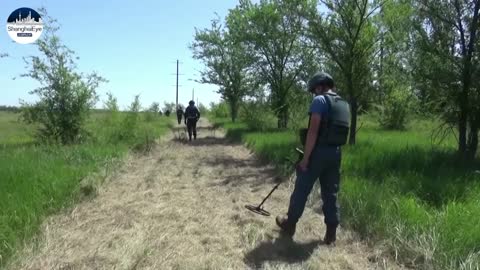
{"type": "Point", "coordinates": [300, 154]}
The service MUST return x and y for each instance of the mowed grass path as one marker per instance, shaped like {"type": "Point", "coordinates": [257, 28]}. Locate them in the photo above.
{"type": "Point", "coordinates": [37, 180]}
{"type": "Point", "coordinates": [404, 189]}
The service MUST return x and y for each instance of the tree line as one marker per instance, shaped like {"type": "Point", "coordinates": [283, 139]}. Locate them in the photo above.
{"type": "Point", "coordinates": [5, 108]}
{"type": "Point", "coordinates": [396, 57]}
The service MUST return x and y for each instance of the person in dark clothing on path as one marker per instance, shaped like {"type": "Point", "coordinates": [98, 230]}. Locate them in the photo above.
{"type": "Point", "coordinates": [192, 115]}
{"type": "Point", "coordinates": [179, 115]}
{"type": "Point", "coordinates": [327, 131]}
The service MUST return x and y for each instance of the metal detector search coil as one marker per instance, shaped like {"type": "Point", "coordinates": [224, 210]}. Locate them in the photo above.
{"type": "Point", "coordinates": [259, 209]}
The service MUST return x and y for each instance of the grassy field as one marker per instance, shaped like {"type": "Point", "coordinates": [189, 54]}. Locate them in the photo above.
{"type": "Point", "coordinates": [400, 189]}
{"type": "Point", "coordinates": [37, 180]}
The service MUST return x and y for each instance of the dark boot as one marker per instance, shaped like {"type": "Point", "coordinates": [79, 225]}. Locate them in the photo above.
{"type": "Point", "coordinates": [287, 227]}
{"type": "Point", "coordinates": [330, 235]}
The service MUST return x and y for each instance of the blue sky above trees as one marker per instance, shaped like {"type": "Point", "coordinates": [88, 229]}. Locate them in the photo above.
{"type": "Point", "coordinates": [133, 45]}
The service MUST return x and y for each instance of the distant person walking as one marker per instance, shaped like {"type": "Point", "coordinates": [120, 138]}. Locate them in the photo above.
{"type": "Point", "coordinates": [192, 115]}
{"type": "Point", "coordinates": [179, 115]}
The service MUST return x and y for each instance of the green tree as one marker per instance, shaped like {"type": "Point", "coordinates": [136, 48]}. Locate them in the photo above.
{"type": "Point", "coordinates": [347, 35]}
{"type": "Point", "coordinates": [394, 47]}
{"type": "Point", "coordinates": [273, 31]}
{"type": "Point", "coordinates": [219, 110]}
{"type": "Point", "coordinates": [169, 106]}
{"type": "Point", "coordinates": [203, 109]}
{"type": "Point", "coordinates": [111, 104]}
{"type": "Point", "coordinates": [448, 64]}
{"type": "Point", "coordinates": [65, 96]}
{"type": "Point", "coordinates": [226, 63]}
{"type": "Point", "coordinates": [154, 108]}
{"type": "Point", "coordinates": [393, 86]}
{"type": "Point", "coordinates": [152, 112]}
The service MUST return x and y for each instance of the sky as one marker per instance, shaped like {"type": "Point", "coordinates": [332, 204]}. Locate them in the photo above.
{"type": "Point", "coordinates": [133, 44]}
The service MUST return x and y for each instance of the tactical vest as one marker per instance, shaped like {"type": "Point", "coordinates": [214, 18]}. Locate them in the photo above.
{"type": "Point", "coordinates": [191, 113]}
{"type": "Point", "coordinates": [334, 129]}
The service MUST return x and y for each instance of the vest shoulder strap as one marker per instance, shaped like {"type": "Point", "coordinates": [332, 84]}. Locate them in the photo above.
{"type": "Point", "coordinates": [329, 98]}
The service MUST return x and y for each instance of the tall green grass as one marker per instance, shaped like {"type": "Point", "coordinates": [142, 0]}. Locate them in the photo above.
{"type": "Point", "coordinates": [12, 131]}
{"type": "Point", "coordinates": [400, 189]}
{"type": "Point", "coordinates": [37, 180]}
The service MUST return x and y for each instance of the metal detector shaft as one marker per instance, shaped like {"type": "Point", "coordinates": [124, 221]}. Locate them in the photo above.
{"type": "Point", "coordinates": [277, 185]}
{"type": "Point", "coordinates": [274, 188]}
{"type": "Point", "coordinates": [258, 209]}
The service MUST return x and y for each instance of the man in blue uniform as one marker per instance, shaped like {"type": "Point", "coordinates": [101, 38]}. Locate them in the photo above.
{"type": "Point", "coordinates": [192, 115]}
{"type": "Point", "coordinates": [328, 130]}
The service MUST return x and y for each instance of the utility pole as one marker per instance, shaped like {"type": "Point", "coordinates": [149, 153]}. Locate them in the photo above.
{"type": "Point", "coordinates": [193, 94]}
{"type": "Point", "coordinates": [176, 104]}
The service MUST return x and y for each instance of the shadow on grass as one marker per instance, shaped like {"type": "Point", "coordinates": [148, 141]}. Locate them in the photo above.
{"type": "Point", "coordinates": [212, 141]}
{"type": "Point", "coordinates": [281, 154]}
{"type": "Point", "coordinates": [204, 141]}
{"type": "Point", "coordinates": [282, 249]}
{"type": "Point", "coordinates": [236, 134]}
{"type": "Point", "coordinates": [255, 173]}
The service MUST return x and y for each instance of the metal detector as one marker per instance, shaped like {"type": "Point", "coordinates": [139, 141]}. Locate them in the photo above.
{"type": "Point", "coordinates": [258, 209]}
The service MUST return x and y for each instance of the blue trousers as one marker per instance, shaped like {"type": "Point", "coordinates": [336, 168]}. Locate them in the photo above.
{"type": "Point", "coordinates": [327, 170]}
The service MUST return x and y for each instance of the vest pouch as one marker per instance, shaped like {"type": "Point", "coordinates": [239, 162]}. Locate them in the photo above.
{"type": "Point", "coordinates": [336, 135]}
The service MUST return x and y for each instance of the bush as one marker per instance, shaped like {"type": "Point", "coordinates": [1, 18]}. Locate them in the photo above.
{"type": "Point", "coordinates": [112, 110]}
{"type": "Point", "coordinates": [65, 96]}
{"type": "Point", "coordinates": [152, 112]}
{"type": "Point", "coordinates": [299, 104]}
{"type": "Point", "coordinates": [122, 129]}
{"type": "Point", "coordinates": [168, 108]}
{"type": "Point", "coordinates": [258, 116]}
{"type": "Point", "coordinates": [203, 109]}
{"type": "Point", "coordinates": [129, 124]}
{"type": "Point", "coordinates": [219, 110]}
{"type": "Point", "coordinates": [397, 109]}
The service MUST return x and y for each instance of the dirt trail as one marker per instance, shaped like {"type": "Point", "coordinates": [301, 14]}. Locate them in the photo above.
{"type": "Point", "coordinates": [182, 207]}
